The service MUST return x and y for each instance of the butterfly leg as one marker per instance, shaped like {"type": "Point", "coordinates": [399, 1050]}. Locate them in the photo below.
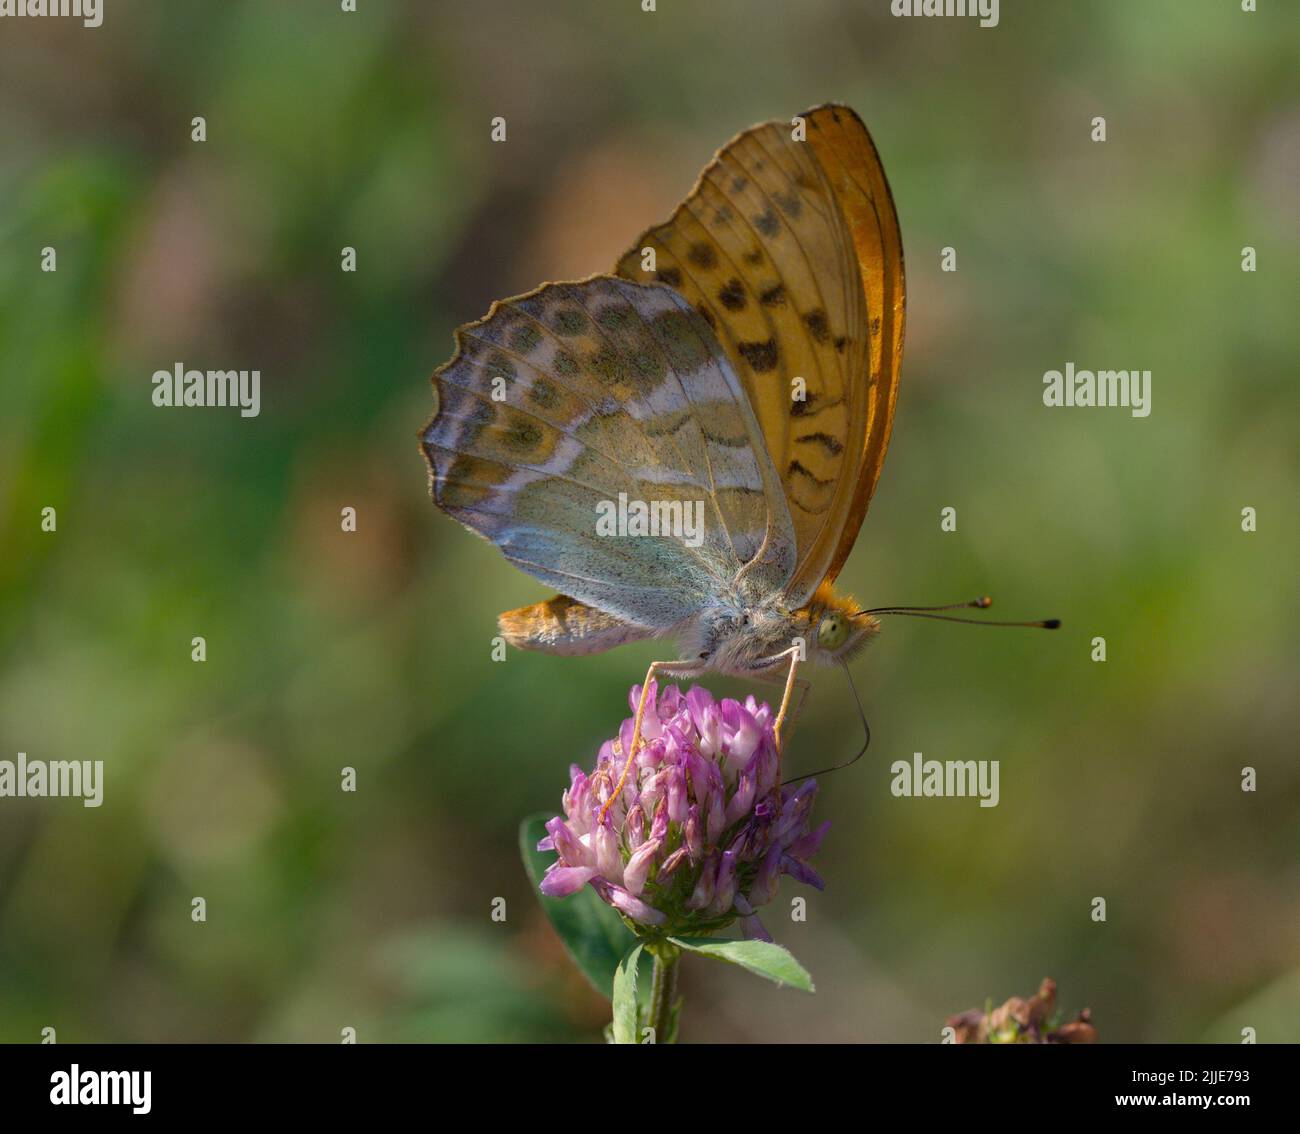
{"type": "Point", "coordinates": [681, 669]}
{"type": "Point", "coordinates": [790, 681]}
{"type": "Point", "coordinates": [768, 673]}
{"type": "Point", "coordinates": [803, 685]}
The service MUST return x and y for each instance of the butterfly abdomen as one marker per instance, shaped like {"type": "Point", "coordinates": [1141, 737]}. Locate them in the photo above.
{"type": "Point", "coordinates": [564, 626]}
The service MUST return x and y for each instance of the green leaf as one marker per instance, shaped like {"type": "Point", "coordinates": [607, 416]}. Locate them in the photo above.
{"type": "Point", "coordinates": [625, 1006]}
{"type": "Point", "coordinates": [761, 957]}
{"type": "Point", "coordinates": [592, 932]}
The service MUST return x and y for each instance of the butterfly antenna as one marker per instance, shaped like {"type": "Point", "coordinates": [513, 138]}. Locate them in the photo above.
{"type": "Point", "coordinates": [866, 736]}
{"type": "Point", "coordinates": [981, 603]}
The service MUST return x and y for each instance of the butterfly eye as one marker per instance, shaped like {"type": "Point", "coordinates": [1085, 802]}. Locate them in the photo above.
{"type": "Point", "coordinates": [832, 632]}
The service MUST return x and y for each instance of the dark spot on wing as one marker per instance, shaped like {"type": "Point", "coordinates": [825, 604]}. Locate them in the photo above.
{"type": "Point", "coordinates": [570, 321]}
{"type": "Point", "coordinates": [760, 356]}
{"type": "Point", "coordinates": [768, 223]}
{"type": "Point", "coordinates": [608, 367]}
{"type": "Point", "coordinates": [522, 435]}
{"type": "Point", "coordinates": [680, 339]}
{"type": "Point", "coordinates": [543, 393]}
{"type": "Point", "coordinates": [649, 365]}
{"type": "Point", "coordinates": [818, 325]}
{"type": "Point", "coordinates": [614, 317]}
{"type": "Point", "coordinates": [707, 313]}
{"type": "Point", "coordinates": [774, 296]}
{"type": "Point", "coordinates": [796, 469]}
{"type": "Point", "coordinates": [671, 276]}
{"type": "Point", "coordinates": [475, 417]}
{"type": "Point", "coordinates": [499, 365]}
{"type": "Point", "coordinates": [703, 255]}
{"type": "Point", "coordinates": [831, 444]}
{"type": "Point", "coordinates": [525, 339]}
{"type": "Point", "coordinates": [789, 205]}
{"type": "Point", "coordinates": [732, 295]}
{"type": "Point", "coordinates": [755, 256]}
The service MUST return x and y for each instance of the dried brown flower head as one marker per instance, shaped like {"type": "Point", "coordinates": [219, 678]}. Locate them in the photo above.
{"type": "Point", "coordinates": [1023, 1021]}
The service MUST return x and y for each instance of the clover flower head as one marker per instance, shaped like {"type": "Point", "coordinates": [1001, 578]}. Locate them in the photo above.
{"type": "Point", "coordinates": [702, 830]}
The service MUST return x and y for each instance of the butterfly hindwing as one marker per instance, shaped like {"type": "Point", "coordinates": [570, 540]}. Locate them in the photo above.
{"type": "Point", "coordinates": [561, 402]}
{"type": "Point", "coordinates": [790, 250]}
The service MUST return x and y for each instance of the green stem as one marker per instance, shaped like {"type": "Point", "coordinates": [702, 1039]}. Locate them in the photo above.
{"type": "Point", "coordinates": [663, 989]}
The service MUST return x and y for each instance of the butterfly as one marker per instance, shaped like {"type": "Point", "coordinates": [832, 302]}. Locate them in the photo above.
{"type": "Point", "coordinates": [741, 364]}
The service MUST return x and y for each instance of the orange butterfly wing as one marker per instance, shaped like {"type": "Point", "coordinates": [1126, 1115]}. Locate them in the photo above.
{"type": "Point", "coordinates": [792, 253]}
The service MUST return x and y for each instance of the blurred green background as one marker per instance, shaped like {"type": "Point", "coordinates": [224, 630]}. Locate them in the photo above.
{"type": "Point", "coordinates": [373, 650]}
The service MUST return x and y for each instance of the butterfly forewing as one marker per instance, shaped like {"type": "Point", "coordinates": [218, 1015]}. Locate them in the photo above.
{"type": "Point", "coordinates": [790, 250]}
{"type": "Point", "coordinates": [845, 150]}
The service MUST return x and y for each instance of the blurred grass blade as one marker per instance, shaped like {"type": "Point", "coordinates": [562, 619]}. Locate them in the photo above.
{"type": "Point", "coordinates": [760, 957]}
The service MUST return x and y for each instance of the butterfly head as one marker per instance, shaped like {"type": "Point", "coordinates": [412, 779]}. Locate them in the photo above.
{"type": "Point", "coordinates": [836, 627]}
